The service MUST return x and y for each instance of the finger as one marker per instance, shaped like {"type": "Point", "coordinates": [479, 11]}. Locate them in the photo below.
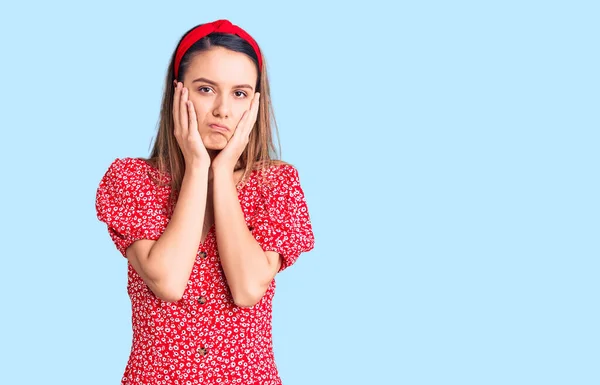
{"type": "Point", "coordinates": [251, 115]}
{"type": "Point", "coordinates": [248, 113]}
{"type": "Point", "coordinates": [255, 105]}
{"type": "Point", "coordinates": [176, 97]}
{"type": "Point", "coordinates": [183, 111]}
{"type": "Point", "coordinates": [242, 124]}
{"type": "Point", "coordinates": [193, 122]}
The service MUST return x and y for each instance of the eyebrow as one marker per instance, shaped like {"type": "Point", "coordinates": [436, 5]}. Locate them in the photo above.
{"type": "Point", "coordinates": [205, 80]}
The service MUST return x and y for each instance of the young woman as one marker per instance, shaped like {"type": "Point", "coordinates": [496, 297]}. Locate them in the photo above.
{"type": "Point", "coordinates": [208, 220]}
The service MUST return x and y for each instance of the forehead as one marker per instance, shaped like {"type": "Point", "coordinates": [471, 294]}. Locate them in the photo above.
{"type": "Point", "coordinates": [222, 66]}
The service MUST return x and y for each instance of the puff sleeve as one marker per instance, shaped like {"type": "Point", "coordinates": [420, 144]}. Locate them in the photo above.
{"type": "Point", "coordinates": [126, 200]}
{"type": "Point", "coordinates": [283, 222]}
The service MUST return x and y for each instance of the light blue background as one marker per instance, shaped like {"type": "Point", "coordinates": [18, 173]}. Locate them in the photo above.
{"type": "Point", "coordinates": [448, 152]}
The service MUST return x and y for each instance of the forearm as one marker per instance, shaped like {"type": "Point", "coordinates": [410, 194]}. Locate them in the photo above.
{"type": "Point", "coordinates": [245, 264]}
{"type": "Point", "coordinates": [172, 257]}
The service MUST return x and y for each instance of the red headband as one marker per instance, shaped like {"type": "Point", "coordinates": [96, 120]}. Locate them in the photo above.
{"type": "Point", "coordinates": [220, 26]}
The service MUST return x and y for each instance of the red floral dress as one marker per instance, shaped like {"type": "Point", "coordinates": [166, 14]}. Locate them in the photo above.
{"type": "Point", "coordinates": [204, 338]}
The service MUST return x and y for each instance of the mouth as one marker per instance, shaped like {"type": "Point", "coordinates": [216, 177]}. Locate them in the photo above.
{"type": "Point", "coordinates": [218, 127]}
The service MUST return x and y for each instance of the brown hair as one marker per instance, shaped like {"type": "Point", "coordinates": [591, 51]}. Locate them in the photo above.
{"type": "Point", "coordinates": [260, 153]}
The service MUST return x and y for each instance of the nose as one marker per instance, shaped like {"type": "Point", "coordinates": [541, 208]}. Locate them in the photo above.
{"type": "Point", "coordinates": [222, 107]}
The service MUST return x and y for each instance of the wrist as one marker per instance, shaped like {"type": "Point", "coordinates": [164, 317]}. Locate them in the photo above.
{"type": "Point", "coordinates": [222, 175]}
{"type": "Point", "coordinates": [197, 167]}
{"type": "Point", "coordinates": [222, 169]}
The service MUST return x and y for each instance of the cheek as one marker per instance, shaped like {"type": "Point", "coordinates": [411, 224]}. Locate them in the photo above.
{"type": "Point", "coordinates": [201, 107]}
{"type": "Point", "coordinates": [240, 109]}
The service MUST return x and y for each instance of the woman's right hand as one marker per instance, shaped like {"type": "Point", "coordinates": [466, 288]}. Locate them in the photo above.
{"type": "Point", "coordinates": [186, 129]}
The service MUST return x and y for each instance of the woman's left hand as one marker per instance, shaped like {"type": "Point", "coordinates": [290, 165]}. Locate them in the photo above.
{"type": "Point", "coordinates": [228, 157]}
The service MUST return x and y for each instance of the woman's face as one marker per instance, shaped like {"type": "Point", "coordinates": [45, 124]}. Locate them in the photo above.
{"type": "Point", "coordinates": [221, 84]}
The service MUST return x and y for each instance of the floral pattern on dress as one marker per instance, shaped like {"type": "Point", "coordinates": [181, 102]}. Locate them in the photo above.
{"type": "Point", "coordinates": [204, 338]}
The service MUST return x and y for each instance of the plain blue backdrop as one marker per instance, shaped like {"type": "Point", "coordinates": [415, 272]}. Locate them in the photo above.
{"type": "Point", "coordinates": [448, 152]}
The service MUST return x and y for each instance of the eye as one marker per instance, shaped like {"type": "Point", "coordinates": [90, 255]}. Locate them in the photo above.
{"type": "Point", "coordinates": [204, 90]}
{"type": "Point", "coordinates": [240, 94]}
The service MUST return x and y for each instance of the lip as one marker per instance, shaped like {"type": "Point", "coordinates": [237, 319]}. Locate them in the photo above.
{"type": "Point", "coordinates": [219, 127]}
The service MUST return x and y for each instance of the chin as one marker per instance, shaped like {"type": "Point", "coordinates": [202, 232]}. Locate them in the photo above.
{"type": "Point", "coordinates": [215, 145]}
{"type": "Point", "coordinates": [215, 141]}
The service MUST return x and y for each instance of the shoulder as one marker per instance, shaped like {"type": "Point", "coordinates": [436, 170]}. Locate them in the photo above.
{"type": "Point", "coordinates": [280, 173]}
{"type": "Point", "coordinates": [279, 180]}
{"type": "Point", "coordinates": [127, 177]}
{"type": "Point", "coordinates": [128, 167]}
{"type": "Point", "coordinates": [129, 170]}
{"type": "Point", "coordinates": [128, 182]}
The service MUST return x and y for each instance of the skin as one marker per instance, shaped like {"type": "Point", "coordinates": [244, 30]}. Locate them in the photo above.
{"type": "Point", "coordinates": [211, 83]}
{"type": "Point", "coordinates": [218, 88]}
